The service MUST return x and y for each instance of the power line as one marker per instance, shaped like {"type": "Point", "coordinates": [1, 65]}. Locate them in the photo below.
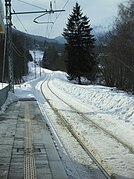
{"type": "Point", "coordinates": [44, 13]}
{"type": "Point", "coordinates": [47, 27]}
{"type": "Point", "coordinates": [19, 20]}
{"type": "Point", "coordinates": [62, 9]}
{"type": "Point", "coordinates": [31, 4]}
{"type": "Point", "coordinates": [49, 12]}
{"type": "Point", "coordinates": [58, 16]}
{"type": "Point", "coordinates": [50, 27]}
{"type": "Point", "coordinates": [17, 51]}
{"type": "Point", "coordinates": [65, 4]}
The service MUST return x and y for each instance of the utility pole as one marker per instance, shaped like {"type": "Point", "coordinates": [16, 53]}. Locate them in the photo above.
{"type": "Point", "coordinates": [40, 65]}
{"type": "Point", "coordinates": [9, 44]}
{"type": "Point", "coordinates": [9, 35]}
{"type": "Point", "coordinates": [25, 58]}
{"type": "Point", "coordinates": [34, 62]}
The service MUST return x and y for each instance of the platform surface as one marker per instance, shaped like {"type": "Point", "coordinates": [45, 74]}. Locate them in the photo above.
{"type": "Point", "coordinates": [27, 149]}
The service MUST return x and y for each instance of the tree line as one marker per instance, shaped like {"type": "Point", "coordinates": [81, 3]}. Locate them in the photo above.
{"type": "Point", "coordinates": [108, 60]}
{"type": "Point", "coordinates": [116, 55]}
{"type": "Point", "coordinates": [112, 64]}
{"type": "Point", "coordinates": [20, 56]}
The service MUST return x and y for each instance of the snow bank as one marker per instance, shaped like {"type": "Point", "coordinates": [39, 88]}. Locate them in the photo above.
{"type": "Point", "coordinates": [3, 85]}
{"type": "Point", "coordinates": [104, 99]}
{"type": "Point", "coordinates": [10, 99]}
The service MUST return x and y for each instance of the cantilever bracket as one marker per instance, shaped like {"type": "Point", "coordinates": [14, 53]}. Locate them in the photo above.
{"type": "Point", "coordinates": [37, 22]}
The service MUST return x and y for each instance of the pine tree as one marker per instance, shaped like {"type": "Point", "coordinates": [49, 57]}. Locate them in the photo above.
{"type": "Point", "coordinates": [50, 57]}
{"type": "Point", "coordinates": [79, 46]}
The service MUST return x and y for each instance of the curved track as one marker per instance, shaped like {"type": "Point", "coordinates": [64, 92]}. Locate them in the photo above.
{"type": "Point", "coordinates": [108, 173]}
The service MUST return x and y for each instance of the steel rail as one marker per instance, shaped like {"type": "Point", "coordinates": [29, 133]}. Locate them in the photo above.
{"type": "Point", "coordinates": [121, 141]}
{"type": "Point", "coordinates": [53, 130]}
{"type": "Point", "coordinates": [103, 168]}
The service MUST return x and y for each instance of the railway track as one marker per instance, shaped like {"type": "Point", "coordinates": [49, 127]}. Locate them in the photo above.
{"type": "Point", "coordinates": [102, 165]}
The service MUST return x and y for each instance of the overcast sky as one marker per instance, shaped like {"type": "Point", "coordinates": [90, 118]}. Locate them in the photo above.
{"type": "Point", "coordinates": [100, 13]}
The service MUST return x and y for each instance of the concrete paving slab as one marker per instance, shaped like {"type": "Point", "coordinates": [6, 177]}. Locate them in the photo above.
{"type": "Point", "coordinates": [3, 173]}
{"type": "Point", "coordinates": [52, 154]}
{"type": "Point", "coordinates": [13, 141]}
{"type": "Point", "coordinates": [57, 170]}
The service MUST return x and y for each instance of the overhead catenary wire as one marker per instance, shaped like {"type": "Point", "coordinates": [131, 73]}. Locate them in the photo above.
{"type": "Point", "coordinates": [51, 11]}
{"type": "Point", "coordinates": [55, 7]}
{"type": "Point", "coordinates": [20, 21]}
{"type": "Point", "coordinates": [17, 51]}
{"type": "Point", "coordinates": [31, 4]}
{"type": "Point", "coordinates": [4, 56]}
{"type": "Point", "coordinates": [62, 9]}
{"type": "Point", "coordinates": [57, 16]}
{"type": "Point", "coordinates": [47, 27]}
{"type": "Point", "coordinates": [49, 17]}
{"type": "Point", "coordinates": [50, 26]}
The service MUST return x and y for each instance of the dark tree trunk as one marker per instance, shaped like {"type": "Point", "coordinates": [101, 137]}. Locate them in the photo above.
{"type": "Point", "coordinates": [79, 80]}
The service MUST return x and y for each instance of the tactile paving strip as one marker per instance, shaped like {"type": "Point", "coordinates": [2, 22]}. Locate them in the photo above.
{"type": "Point", "coordinates": [29, 159]}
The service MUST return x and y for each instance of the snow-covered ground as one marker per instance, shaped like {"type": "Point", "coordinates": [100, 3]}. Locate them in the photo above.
{"type": "Point", "coordinates": [109, 107]}
{"type": "Point", "coordinates": [103, 101]}
{"type": "Point", "coordinates": [104, 106]}
{"type": "Point", "coordinates": [3, 85]}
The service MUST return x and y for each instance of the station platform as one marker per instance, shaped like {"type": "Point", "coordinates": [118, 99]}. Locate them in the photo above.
{"type": "Point", "coordinates": [27, 148]}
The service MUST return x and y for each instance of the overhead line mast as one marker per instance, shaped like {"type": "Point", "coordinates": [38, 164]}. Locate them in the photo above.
{"type": "Point", "coordinates": [9, 44]}
{"type": "Point", "coordinates": [9, 34]}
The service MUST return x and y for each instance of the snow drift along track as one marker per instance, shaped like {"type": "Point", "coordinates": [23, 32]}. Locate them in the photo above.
{"type": "Point", "coordinates": [103, 168]}
{"type": "Point", "coordinates": [93, 150]}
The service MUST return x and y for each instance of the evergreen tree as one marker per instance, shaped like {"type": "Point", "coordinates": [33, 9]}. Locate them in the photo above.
{"type": "Point", "coordinates": [50, 57]}
{"type": "Point", "coordinates": [79, 46]}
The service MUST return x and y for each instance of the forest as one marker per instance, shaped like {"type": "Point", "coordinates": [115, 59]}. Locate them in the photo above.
{"type": "Point", "coordinates": [113, 53]}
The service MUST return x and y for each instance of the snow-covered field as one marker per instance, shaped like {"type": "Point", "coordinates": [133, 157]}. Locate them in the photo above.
{"type": "Point", "coordinates": [109, 107]}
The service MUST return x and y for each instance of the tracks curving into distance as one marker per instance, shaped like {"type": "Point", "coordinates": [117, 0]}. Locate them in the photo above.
{"type": "Point", "coordinates": [101, 164]}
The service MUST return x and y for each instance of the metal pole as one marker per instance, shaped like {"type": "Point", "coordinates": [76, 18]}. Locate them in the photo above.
{"type": "Point", "coordinates": [40, 65]}
{"type": "Point", "coordinates": [37, 12]}
{"type": "Point", "coordinates": [9, 44]}
{"type": "Point", "coordinates": [9, 37]}
{"type": "Point", "coordinates": [35, 63]}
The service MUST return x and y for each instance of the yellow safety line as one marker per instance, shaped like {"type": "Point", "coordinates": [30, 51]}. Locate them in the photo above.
{"type": "Point", "coordinates": [29, 159]}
